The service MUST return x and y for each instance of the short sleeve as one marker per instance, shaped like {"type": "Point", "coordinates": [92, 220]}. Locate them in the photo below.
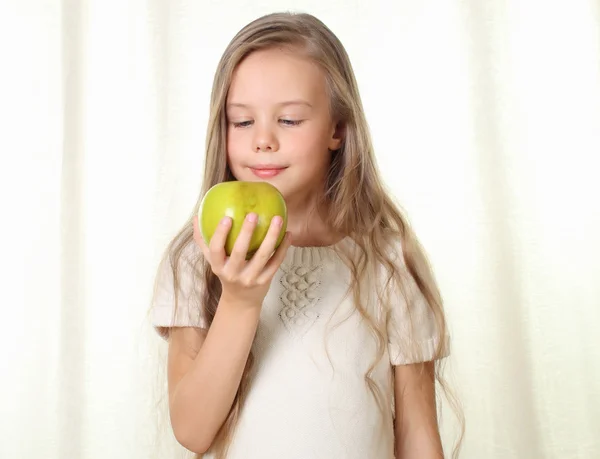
{"type": "Point", "coordinates": [413, 334]}
{"type": "Point", "coordinates": [188, 313]}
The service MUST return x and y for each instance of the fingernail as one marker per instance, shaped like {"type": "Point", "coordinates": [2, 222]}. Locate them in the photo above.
{"type": "Point", "coordinates": [252, 217]}
{"type": "Point", "coordinates": [277, 220]}
{"type": "Point", "coordinates": [225, 221]}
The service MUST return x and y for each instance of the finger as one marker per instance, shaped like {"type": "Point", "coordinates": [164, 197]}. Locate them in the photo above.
{"type": "Point", "coordinates": [237, 258]}
{"type": "Point", "coordinates": [275, 261]}
{"type": "Point", "coordinates": [216, 247]}
{"type": "Point", "coordinates": [266, 249]}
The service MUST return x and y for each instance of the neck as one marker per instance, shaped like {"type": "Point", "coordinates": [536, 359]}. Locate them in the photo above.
{"type": "Point", "coordinates": [308, 223]}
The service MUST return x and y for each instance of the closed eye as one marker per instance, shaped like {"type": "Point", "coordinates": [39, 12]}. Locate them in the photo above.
{"type": "Point", "coordinates": [291, 122]}
{"type": "Point", "coordinates": [285, 122]}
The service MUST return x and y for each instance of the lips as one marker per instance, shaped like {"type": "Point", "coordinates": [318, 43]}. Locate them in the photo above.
{"type": "Point", "coordinates": [267, 170]}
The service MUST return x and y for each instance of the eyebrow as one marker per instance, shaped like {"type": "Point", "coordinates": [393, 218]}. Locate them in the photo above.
{"type": "Point", "coordinates": [281, 104]}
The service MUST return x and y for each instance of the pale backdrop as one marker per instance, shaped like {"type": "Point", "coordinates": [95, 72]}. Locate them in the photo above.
{"type": "Point", "coordinates": [486, 121]}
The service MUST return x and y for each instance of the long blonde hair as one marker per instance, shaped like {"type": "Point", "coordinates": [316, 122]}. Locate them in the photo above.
{"type": "Point", "coordinates": [362, 209]}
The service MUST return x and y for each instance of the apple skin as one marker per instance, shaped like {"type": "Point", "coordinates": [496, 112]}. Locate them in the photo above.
{"type": "Point", "coordinates": [236, 199]}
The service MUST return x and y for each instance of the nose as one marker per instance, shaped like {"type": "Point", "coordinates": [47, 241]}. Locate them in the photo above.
{"type": "Point", "coordinates": [265, 140]}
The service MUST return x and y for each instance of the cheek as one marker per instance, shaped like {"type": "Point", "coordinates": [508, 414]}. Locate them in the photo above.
{"type": "Point", "coordinates": [312, 145]}
{"type": "Point", "coordinates": [234, 150]}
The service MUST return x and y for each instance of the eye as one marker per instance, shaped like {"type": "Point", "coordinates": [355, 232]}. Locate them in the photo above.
{"type": "Point", "coordinates": [242, 124]}
{"type": "Point", "coordinates": [286, 122]}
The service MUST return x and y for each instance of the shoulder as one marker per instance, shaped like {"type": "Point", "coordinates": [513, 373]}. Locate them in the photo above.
{"type": "Point", "coordinates": [188, 255]}
{"type": "Point", "coordinates": [178, 260]}
{"type": "Point", "coordinates": [389, 263]}
{"type": "Point", "coordinates": [177, 290]}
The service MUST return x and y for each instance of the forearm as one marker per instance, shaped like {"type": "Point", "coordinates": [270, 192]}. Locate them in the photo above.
{"type": "Point", "coordinates": [204, 396]}
{"type": "Point", "coordinates": [421, 443]}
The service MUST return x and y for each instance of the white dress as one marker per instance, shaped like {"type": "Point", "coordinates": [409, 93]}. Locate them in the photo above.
{"type": "Point", "coordinates": [304, 402]}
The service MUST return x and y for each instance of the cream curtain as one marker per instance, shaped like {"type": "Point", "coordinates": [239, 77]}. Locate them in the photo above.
{"type": "Point", "coordinates": [486, 121]}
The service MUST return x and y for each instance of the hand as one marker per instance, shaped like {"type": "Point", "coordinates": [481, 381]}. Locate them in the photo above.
{"type": "Point", "coordinates": [244, 281]}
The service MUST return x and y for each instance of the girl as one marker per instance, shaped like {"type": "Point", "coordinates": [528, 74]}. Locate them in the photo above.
{"type": "Point", "coordinates": [329, 346]}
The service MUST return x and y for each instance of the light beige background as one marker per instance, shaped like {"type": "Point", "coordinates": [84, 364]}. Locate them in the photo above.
{"type": "Point", "coordinates": [486, 121]}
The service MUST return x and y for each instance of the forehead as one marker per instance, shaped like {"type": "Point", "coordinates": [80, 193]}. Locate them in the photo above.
{"type": "Point", "coordinates": [270, 76]}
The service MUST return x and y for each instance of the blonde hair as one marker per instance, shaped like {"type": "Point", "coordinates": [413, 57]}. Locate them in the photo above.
{"type": "Point", "coordinates": [361, 207]}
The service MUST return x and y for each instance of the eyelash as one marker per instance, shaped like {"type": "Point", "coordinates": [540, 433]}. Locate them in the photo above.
{"type": "Point", "coordinates": [290, 123]}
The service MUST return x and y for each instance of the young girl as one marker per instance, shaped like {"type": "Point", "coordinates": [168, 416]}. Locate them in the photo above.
{"type": "Point", "coordinates": [328, 346]}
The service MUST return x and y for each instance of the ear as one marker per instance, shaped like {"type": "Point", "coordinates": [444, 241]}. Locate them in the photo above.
{"type": "Point", "coordinates": [337, 136]}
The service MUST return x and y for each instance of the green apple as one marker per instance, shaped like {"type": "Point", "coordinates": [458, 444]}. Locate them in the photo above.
{"type": "Point", "coordinates": [236, 199]}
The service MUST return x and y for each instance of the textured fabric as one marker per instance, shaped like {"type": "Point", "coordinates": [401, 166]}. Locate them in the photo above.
{"type": "Point", "coordinates": [305, 402]}
{"type": "Point", "coordinates": [187, 313]}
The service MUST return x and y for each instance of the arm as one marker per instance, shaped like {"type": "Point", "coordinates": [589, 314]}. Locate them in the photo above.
{"type": "Point", "coordinates": [206, 367]}
{"type": "Point", "coordinates": [416, 428]}
{"type": "Point", "coordinates": [202, 383]}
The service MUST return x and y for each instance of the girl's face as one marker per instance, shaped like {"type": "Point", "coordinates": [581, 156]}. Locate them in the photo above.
{"type": "Point", "coordinates": [279, 126]}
